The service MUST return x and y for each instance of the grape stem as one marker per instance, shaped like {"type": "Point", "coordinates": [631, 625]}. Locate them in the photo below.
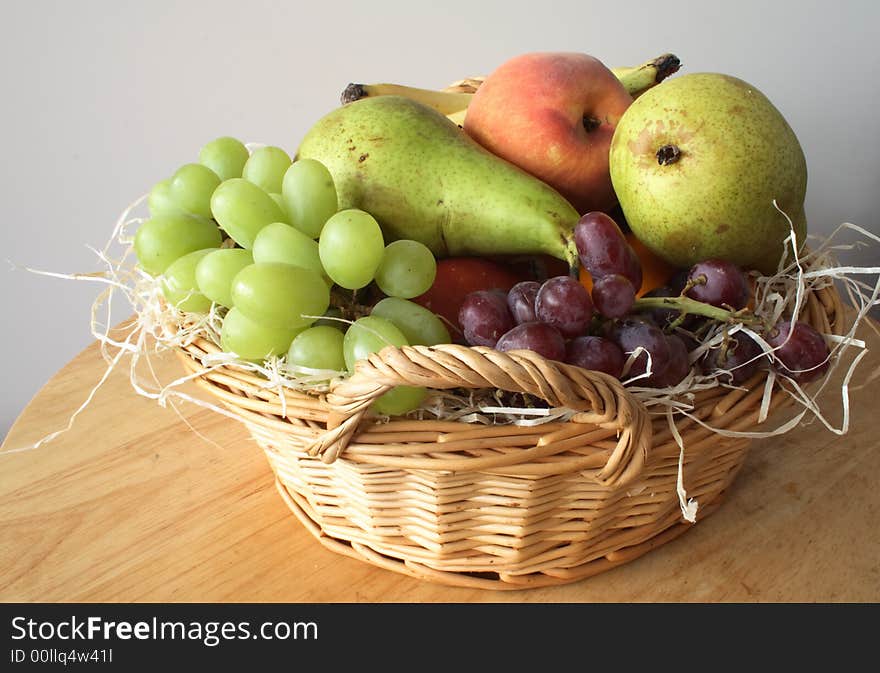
{"type": "Point", "coordinates": [692, 306]}
{"type": "Point", "coordinates": [349, 304]}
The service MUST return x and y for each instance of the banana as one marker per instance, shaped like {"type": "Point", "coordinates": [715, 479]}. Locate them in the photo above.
{"type": "Point", "coordinates": [638, 79]}
{"type": "Point", "coordinates": [457, 117]}
{"type": "Point", "coordinates": [445, 102]}
{"type": "Point", "coordinates": [454, 100]}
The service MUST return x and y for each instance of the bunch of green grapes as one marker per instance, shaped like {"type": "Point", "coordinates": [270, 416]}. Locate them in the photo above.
{"type": "Point", "coordinates": [292, 245]}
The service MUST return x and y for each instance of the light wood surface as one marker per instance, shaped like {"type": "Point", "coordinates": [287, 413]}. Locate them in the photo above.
{"type": "Point", "coordinates": [133, 505]}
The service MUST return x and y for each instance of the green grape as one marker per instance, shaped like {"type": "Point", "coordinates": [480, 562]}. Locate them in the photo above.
{"type": "Point", "coordinates": [318, 347]}
{"type": "Point", "coordinates": [407, 270]}
{"type": "Point", "coordinates": [310, 195]}
{"type": "Point", "coordinates": [160, 201]}
{"type": "Point", "coordinates": [399, 400]}
{"type": "Point", "coordinates": [279, 242]}
{"type": "Point", "coordinates": [191, 188]}
{"type": "Point", "coordinates": [215, 272]}
{"type": "Point", "coordinates": [420, 326]}
{"type": "Point", "coordinates": [371, 334]}
{"type": "Point", "coordinates": [266, 167]}
{"type": "Point", "coordinates": [242, 209]}
{"type": "Point", "coordinates": [163, 238]}
{"type": "Point", "coordinates": [351, 247]}
{"type": "Point", "coordinates": [280, 295]}
{"type": "Point", "coordinates": [225, 156]}
{"type": "Point", "coordinates": [179, 283]}
{"type": "Point", "coordinates": [250, 340]}
{"type": "Point", "coordinates": [279, 201]}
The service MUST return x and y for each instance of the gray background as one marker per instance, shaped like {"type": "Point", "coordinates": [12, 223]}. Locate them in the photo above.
{"type": "Point", "coordinates": [103, 99]}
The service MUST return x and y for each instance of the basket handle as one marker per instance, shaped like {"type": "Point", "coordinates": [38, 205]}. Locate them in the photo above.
{"type": "Point", "coordinates": [601, 399]}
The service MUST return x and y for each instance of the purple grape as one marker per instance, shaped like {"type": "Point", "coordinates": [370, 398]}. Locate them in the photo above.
{"type": "Point", "coordinates": [688, 337]}
{"type": "Point", "coordinates": [801, 350]}
{"type": "Point", "coordinates": [609, 328]}
{"type": "Point", "coordinates": [565, 304]}
{"type": "Point", "coordinates": [484, 317]}
{"type": "Point", "coordinates": [603, 249]}
{"type": "Point", "coordinates": [597, 354]}
{"type": "Point", "coordinates": [632, 333]}
{"type": "Point", "coordinates": [534, 336]}
{"type": "Point", "coordinates": [613, 295]}
{"type": "Point", "coordinates": [677, 368]}
{"type": "Point", "coordinates": [739, 359]}
{"type": "Point", "coordinates": [719, 283]}
{"type": "Point", "coordinates": [521, 301]}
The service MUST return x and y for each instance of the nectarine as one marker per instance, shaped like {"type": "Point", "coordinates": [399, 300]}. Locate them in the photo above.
{"type": "Point", "coordinates": [553, 114]}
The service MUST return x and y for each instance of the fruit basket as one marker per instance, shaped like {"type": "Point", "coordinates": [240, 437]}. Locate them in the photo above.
{"type": "Point", "coordinates": [578, 416]}
{"type": "Point", "coordinates": [495, 506]}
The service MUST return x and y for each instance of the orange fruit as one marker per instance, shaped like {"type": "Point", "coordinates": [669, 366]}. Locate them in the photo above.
{"type": "Point", "coordinates": [655, 270]}
{"type": "Point", "coordinates": [585, 278]}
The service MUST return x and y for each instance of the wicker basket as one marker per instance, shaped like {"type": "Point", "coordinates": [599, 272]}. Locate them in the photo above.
{"type": "Point", "coordinates": [493, 506]}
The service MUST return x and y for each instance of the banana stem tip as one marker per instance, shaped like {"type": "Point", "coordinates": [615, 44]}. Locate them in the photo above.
{"type": "Point", "coordinates": [352, 93]}
{"type": "Point", "coordinates": [667, 64]}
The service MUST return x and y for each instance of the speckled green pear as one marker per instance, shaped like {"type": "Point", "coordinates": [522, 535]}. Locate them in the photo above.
{"type": "Point", "coordinates": [697, 163]}
{"type": "Point", "coordinates": [424, 179]}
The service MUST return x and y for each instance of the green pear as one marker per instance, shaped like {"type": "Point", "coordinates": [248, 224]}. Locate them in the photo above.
{"type": "Point", "coordinates": [698, 163]}
{"type": "Point", "coordinates": [424, 179]}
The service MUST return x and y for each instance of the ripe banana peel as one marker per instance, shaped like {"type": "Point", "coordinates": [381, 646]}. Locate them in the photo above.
{"type": "Point", "coordinates": [453, 101]}
{"type": "Point", "coordinates": [445, 102]}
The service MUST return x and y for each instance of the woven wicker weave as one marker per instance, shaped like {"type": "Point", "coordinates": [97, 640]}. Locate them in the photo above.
{"type": "Point", "coordinates": [493, 506]}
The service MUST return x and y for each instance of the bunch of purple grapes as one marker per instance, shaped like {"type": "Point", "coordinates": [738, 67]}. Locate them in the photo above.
{"type": "Point", "coordinates": [606, 330]}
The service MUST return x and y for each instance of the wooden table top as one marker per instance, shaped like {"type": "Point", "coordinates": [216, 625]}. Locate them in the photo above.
{"type": "Point", "coordinates": [138, 503]}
